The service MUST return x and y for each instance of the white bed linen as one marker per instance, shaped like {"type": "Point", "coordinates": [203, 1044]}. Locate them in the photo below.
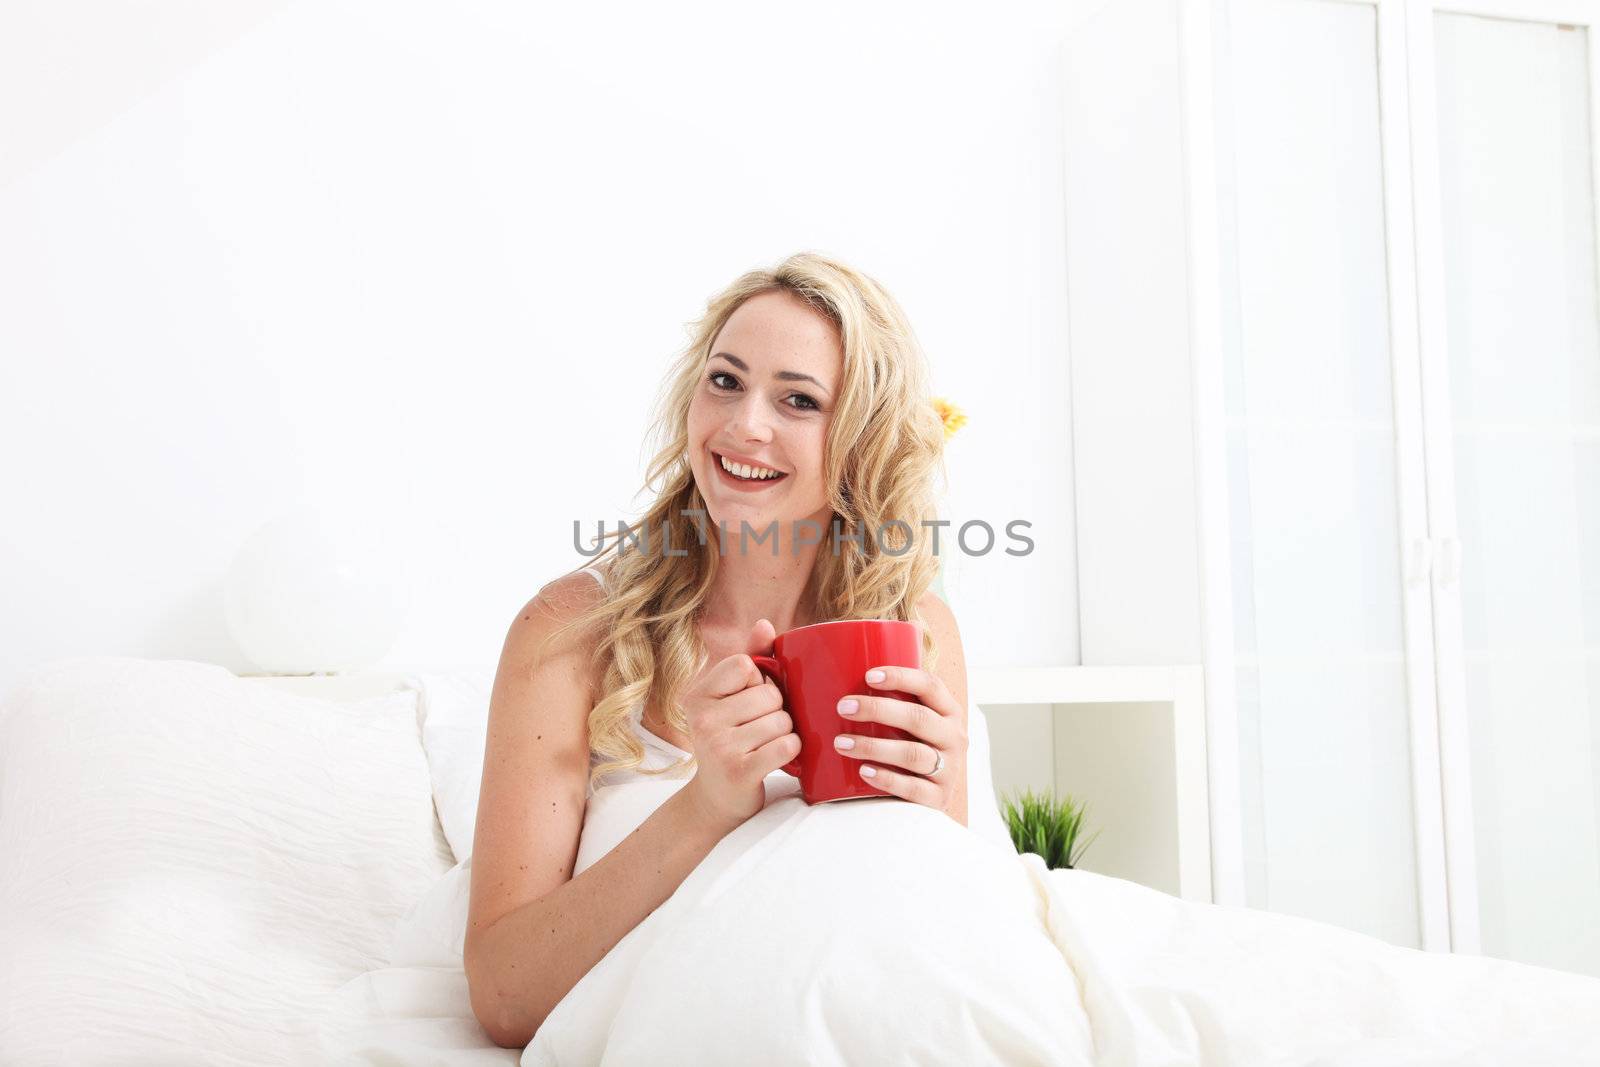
{"type": "Point", "coordinates": [1167, 982]}
{"type": "Point", "coordinates": [824, 935]}
{"type": "Point", "coordinates": [765, 955]}
{"type": "Point", "coordinates": [191, 866]}
{"type": "Point", "coordinates": [191, 863]}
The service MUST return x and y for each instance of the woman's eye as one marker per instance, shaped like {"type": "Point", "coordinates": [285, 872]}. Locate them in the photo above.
{"type": "Point", "coordinates": [806, 402]}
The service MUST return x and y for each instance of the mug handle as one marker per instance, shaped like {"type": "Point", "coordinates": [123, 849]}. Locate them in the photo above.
{"type": "Point", "coordinates": [768, 666]}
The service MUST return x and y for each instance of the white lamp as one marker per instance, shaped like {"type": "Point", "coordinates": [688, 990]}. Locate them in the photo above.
{"type": "Point", "coordinates": [315, 591]}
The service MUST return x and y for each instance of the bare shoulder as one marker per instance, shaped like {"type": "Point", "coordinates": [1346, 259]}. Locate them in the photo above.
{"type": "Point", "coordinates": [952, 662]}
{"type": "Point", "coordinates": [556, 604]}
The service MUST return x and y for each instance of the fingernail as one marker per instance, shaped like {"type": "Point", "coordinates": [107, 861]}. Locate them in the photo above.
{"type": "Point", "coordinates": [867, 771]}
{"type": "Point", "coordinates": [844, 742]}
{"type": "Point", "coordinates": [847, 706]}
{"type": "Point", "coordinates": [874, 676]}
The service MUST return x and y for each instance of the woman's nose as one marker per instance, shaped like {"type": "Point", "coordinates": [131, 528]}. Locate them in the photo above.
{"type": "Point", "coordinates": [751, 421]}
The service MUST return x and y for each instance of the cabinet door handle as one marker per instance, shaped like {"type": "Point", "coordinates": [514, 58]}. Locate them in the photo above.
{"type": "Point", "coordinates": [1420, 562]}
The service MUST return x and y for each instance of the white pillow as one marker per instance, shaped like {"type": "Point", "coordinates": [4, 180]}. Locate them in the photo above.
{"type": "Point", "coordinates": [453, 713]}
{"type": "Point", "coordinates": [191, 863]}
{"type": "Point", "coordinates": [454, 709]}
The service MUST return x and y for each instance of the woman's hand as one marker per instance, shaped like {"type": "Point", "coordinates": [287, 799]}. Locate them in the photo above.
{"type": "Point", "coordinates": [902, 767]}
{"type": "Point", "coordinates": [739, 731]}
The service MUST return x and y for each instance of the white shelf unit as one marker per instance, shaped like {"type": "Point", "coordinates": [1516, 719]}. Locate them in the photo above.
{"type": "Point", "coordinates": [1131, 742]}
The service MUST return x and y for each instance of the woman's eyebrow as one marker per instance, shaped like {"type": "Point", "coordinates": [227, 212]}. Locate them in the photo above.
{"type": "Point", "coordinates": [786, 375]}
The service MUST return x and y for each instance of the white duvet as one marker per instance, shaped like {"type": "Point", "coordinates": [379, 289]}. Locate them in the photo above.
{"type": "Point", "coordinates": [882, 932]}
{"type": "Point", "coordinates": [196, 869]}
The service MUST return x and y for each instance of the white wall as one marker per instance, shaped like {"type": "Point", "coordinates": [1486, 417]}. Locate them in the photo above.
{"type": "Point", "coordinates": [442, 254]}
{"type": "Point", "coordinates": [1128, 280]}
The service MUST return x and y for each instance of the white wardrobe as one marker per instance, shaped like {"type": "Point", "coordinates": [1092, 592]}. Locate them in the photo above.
{"type": "Point", "coordinates": [1335, 346]}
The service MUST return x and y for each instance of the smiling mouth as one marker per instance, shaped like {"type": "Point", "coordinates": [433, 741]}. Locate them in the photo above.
{"type": "Point", "coordinates": [740, 479]}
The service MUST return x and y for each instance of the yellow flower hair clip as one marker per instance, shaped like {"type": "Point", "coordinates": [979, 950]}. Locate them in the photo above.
{"type": "Point", "coordinates": [952, 416]}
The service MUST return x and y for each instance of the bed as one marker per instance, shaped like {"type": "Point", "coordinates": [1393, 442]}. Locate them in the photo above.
{"type": "Point", "coordinates": [202, 868]}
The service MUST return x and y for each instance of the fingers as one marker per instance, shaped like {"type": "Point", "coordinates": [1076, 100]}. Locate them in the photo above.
{"type": "Point", "coordinates": [926, 685]}
{"type": "Point", "coordinates": [775, 753]}
{"type": "Point", "coordinates": [914, 756]}
{"type": "Point", "coordinates": [748, 705]}
{"type": "Point", "coordinates": [755, 734]}
{"type": "Point", "coordinates": [912, 787]}
{"type": "Point", "coordinates": [898, 766]}
{"type": "Point", "coordinates": [733, 675]}
{"type": "Point", "coordinates": [728, 696]}
{"type": "Point", "coordinates": [944, 732]}
{"type": "Point", "coordinates": [762, 634]}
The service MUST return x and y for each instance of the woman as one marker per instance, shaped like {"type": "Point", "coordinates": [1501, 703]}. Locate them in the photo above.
{"type": "Point", "coordinates": [811, 373]}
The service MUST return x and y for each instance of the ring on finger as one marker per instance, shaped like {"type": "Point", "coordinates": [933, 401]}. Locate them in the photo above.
{"type": "Point", "coordinates": [938, 762]}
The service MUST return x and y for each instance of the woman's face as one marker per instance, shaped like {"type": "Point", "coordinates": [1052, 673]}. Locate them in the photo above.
{"type": "Point", "coordinates": [765, 399]}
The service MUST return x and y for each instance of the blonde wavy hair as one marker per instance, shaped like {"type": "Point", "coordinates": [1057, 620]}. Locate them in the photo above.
{"type": "Point", "coordinates": [883, 447]}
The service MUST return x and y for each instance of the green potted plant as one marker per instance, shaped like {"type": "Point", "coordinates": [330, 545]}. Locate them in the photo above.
{"type": "Point", "coordinates": [1049, 827]}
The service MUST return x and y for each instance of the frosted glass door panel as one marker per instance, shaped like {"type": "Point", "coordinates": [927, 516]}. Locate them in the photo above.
{"type": "Point", "coordinates": [1320, 638]}
{"type": "Point", "coordinates": [1517, 207]}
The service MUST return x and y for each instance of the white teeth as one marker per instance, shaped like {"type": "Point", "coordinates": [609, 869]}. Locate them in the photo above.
{"type": "Point", "coordinates": [744, 470]}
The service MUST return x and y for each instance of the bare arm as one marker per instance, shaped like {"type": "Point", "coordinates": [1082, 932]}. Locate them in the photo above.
{"type": "Point", "coordinates": [532, 958]}
{"type": "Point", "coordinates": [533, 930]}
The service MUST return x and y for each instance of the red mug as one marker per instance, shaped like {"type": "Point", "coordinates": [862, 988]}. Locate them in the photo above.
{"type": "Point", "coordinates": [815, 667]}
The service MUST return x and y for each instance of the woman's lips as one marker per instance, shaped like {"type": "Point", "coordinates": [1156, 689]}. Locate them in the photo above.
{"type": "Point", "coordinates": [747, 484]}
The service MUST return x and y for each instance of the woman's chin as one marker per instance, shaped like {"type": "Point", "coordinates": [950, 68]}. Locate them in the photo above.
{"type": "Point", "coordinates": [730, 516]}
{"type": "Point", "coordinates": [760, 529]}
